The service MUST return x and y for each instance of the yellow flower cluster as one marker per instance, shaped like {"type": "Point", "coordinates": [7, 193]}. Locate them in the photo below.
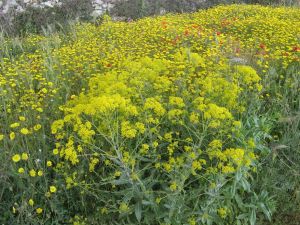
{"type": "Point", "coordinates": [126, 114]}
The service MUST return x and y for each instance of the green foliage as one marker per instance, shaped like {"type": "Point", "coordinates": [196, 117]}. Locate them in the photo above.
{"type": "Point", "coordinates": [279, 173]}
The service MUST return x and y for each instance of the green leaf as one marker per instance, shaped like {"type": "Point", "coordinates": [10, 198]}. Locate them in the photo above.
{"type": "Point", "coordinates": [245, 184]}
{"type": "Point", "coordinates": [233, 189]}
{"type": "Point", "coordinates": [267, 213]}
{"type": "Point", "coordinates": [138, 211]}
{"type": "Point", "coordinates": [239, 201]}
{"type": "Point", "coordinates": [238, 175]}
{"type": "Point", "coordinates": [253, 217]}
{"type": "Point", "coordinates": [242, 216]}
{"type": "Point", "coordinates": [144, 202]}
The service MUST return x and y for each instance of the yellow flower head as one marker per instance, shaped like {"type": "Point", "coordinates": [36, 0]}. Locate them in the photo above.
{"type": "Point", "coordinates": [49, 163]}
{"type": "Point", "coordinates": [24, 131]}
{"type": "Point", "coordinates": [173, 186]}
{"type": "Point", "coordinates": [52, 189]}
{"type": "Point", "coordinates": [123, 207]}
{"type": "Point", "coordinates": [24, 156]}
{"type": "Point", "coordinates": [30, 202]}
{"type": "Point", "coordinates": [32, 173]}
{"type": "Point", "coordinates": [22, 118]}
{"type": "Point", "coordinates": [222, 212]}
{"type": "Point", "coordinates": [14, 125]}
{"type": "Point", "coordinates": [16, 158]}
{"type": "Point", "coordinates": [40, 173]}
{"type": "Point", "coordinates": [55, 151]}
{"type": "Point", "coordinates": [37, 127]}
{"type": "Point", "coordinates": [21, 170]}
{"type": "Point", "coordinates": [39, 210]}
{"type": "Point", "coordinates": [12, 135]}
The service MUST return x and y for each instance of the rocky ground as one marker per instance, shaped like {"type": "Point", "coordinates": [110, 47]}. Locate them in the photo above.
{"type": "Point", "coordinates": [8, 6]}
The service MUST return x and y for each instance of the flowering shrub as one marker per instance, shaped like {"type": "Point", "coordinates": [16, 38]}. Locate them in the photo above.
{"type": "Point", "coordinates": [153, 130]}
{"type": "Point", "coordinates": [146, 122]}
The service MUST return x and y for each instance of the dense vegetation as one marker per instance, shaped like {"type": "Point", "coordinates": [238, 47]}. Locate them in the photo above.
{"type": "Point", "coordinates": [177, 119]}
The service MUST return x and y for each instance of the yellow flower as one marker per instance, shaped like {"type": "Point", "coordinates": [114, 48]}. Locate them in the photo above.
{"type": "Point", "coordinates": [24, 156]}
{"type": "Point", "coordinates": [127, 130]}
{"type": "Point", "coordinates": [52, 189]}
{"type": "Point", "coordinates": [1, 137]}
{"type": "Point", "coordinates": [192, 221]}
{"type": "Point", "coordinates": [22, 118]}
{"type": "Point", "coordinates": [49, 163]}
{"type": "Point", "coordinates": [55, 151]}
{"type": "Point", "coordinates": [157, 200]}
{"type": "Point", "coordinates": [37, 127]}
{"type": "Point", "coordinates": [39, 210]}
{"type": "Point", "coordinates": [104, 210]}
{"type": "Point", "coordinates": [123, 207]}
{"type": "Point", "coordinates": [12, 135]}
{"type": "Point", "coordinates": [16, 158]}
{"type": "Point", "coordinates": [117, 174]}
{"type": "Point", "coordinates": [24, 131]}
{"type": "Point", "coordinates": [30, 202]}
{"type": "Point", "coordinates": [14, 125]}
{"type": "Point", "coordinates": [21, 170]}
{"type": "Point", "coordinates": [44, 90]}
{"type": "Point", "coordinates": [173, 186]}
{"type": "Point", "coordinates": [40, 173]}
{"type": "Point", "coordinates": [32, 173]}
{"type": "Point", "coordinates": [222, 212]}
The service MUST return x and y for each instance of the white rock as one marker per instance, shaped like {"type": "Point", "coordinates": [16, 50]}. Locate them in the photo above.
{"type": "Point", "coordinates": [238, 60]}
{"type": "Point", "coordinates": [48, 4]}
{"type": "Point", "coordinates": [20, 9]}
{"type": "Point", "coordinates": [100, 6]}
{"type": "Point", "coordinates": [96, 13]}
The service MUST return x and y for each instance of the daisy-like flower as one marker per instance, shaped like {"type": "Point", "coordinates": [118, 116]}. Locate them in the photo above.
{"type": "Point", "coordinates": [21, 170]}
{"type": "Point", "coordinates": [30, 202]}
{"type": "Point", "coordinates": [24, 156]}
{"type": "Point", "coordinates": [24, 131]}
{"type": "Point", "coordinates": [52, 189]}
{"type": "Point", "coordinates": [39, 210]}
{"type": "Point", "coordinates": [32, 173]}
{"type": "Point", "coordinates": [16, 158]}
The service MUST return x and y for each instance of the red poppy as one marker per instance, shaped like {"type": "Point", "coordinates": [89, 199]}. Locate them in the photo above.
{"type": "Point", "coordinates": [285, 54]}
{"type": "Point", "coordinates": [296, 49]}
{"type": "Point", "coordinates": [175, 40]}
{"type": "Point", "coordinates": [186, 32]}
{"type": "Point", "coordinates": [262, 46]}
{"type": "Point", "coordinates": [225, 23]}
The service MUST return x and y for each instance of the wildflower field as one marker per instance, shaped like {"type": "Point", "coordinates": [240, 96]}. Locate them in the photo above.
{"type": "Point", "coordinates": [175, 119]}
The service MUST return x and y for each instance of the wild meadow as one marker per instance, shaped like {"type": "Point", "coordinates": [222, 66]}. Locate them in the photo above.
{"type": "Point", "coordinates": [177, 119]}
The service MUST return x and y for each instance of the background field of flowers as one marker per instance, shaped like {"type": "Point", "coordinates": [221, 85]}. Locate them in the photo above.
{"type": "Point", "coordinates": [189, 118]}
